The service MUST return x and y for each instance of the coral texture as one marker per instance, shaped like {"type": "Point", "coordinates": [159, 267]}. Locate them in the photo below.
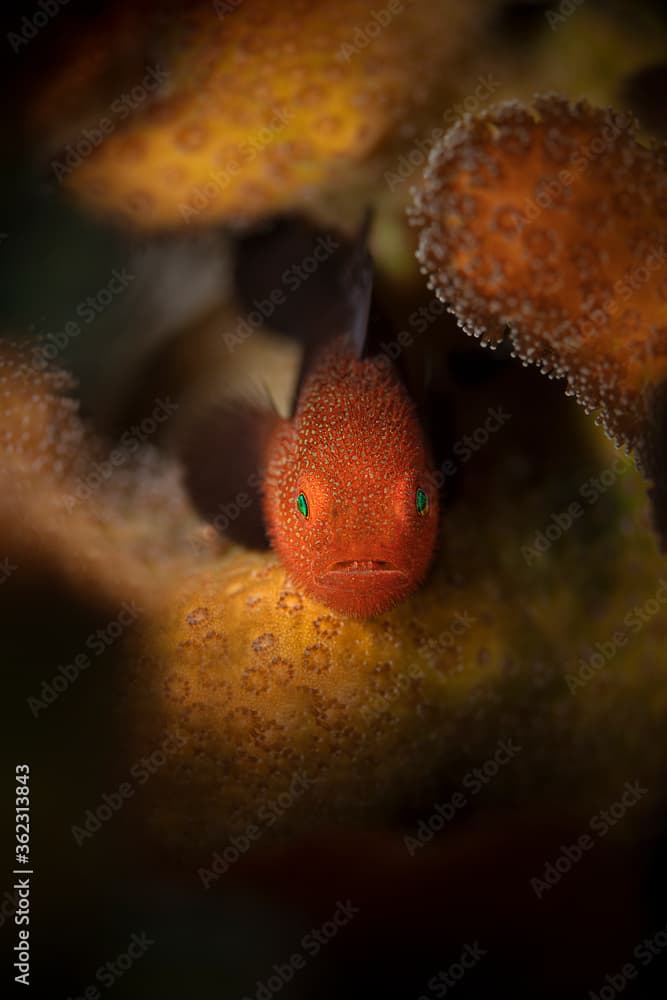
{"type": "Point", "coordinates": [283, 715]}
{"type": "Point", "coordinates": [259, 104]}
{"type": "Point", "coordinates": [552, 219]}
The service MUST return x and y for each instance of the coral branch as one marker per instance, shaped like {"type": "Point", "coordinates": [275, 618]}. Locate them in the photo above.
{"type": "Point", "coordinates": [552, 219]}
{"type": "Point", "coordinates": [251, 106]}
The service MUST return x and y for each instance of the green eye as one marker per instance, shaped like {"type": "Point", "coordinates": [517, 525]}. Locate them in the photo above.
{"type": "Point", "coordinates": [302, 504]}
{"type": "Point", "coordinates": [422, 502]}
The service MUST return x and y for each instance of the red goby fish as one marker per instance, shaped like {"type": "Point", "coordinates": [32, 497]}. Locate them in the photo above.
{"type": "Point", "coordinates": [346, 483]}
{"type": "Point", "coordinates": [348, 492]}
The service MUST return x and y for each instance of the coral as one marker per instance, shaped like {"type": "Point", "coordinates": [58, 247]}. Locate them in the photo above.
{"type": "Point", "coordinates": [286, 715]}
{"type": "Point", "coordinates": [62, 511]}
{"type": "Point", "coordinates": [259, 105]}
{"type": "Point", "coordinates": [41, 433]}
{"type": "Point", "coordinates": [551, 218]}
{"type": "Point", "coordinates": [282, 715]}
{"type": "Point", "coordinates": [269, 688]}
{"type": "Point", "coordinates": [291, 716]}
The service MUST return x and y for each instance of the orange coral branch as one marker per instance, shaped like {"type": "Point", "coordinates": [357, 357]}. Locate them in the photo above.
{"type": "Point", "coordinates": [257, 105]}
{"type": "Point", "coordinates": [552, 219]}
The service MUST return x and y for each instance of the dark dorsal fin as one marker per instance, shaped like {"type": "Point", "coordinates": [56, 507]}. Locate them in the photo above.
{"type": "Point", "coordinates": [357, 278]}
{"type": "Point", "coordinates": [309, 283]}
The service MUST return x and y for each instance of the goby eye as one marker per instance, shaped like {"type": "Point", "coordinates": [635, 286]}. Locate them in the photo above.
{"type": "Point", "coordinates": [421, 501]}
{"type": "Point", "coordinates": [302, 504]}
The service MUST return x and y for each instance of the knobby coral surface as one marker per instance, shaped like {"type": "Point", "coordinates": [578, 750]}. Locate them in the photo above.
{"type": "Point", "coordinates": [250, 107]}
{"type": "Point", "coordinates": [282, 715]}
{"type": "Point", "coordinates": [540, 633]}
{"type": "Point", "coordinates": [551, 218]}
{"type": "Point", "coordinates": [236, 754]}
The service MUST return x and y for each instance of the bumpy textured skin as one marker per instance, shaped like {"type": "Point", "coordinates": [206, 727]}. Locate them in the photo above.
{"type": "Point", "coordinates": [552, 218]}
{"type": "Point", "coordinates": [356, 450]}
